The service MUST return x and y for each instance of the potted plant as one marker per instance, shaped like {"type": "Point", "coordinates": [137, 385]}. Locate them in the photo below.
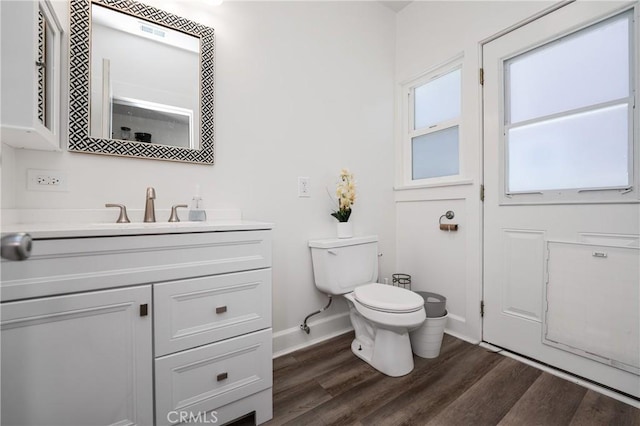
{"type": "Point", "coordinates": [346, 193]}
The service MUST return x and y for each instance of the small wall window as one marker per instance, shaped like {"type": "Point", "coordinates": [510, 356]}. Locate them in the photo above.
{"type": "Point", "coordinates": [432, 125]}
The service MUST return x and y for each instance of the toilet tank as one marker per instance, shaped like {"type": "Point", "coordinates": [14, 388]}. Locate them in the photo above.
{"type": "Point", "coordinates": [342, 264]}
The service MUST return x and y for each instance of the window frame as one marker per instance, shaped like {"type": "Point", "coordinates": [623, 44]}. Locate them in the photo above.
{"type": "Point", "coordinates": [577, 195]}
{"type": "Point", "coordinates": [407, 116]}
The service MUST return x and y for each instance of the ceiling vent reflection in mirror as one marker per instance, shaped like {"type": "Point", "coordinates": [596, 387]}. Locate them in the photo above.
{"type": "Point", "coordinates": [98, 79]}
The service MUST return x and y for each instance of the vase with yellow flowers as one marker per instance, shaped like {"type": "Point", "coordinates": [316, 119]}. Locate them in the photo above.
{"type": "Point", "coordinates": [346, 193]}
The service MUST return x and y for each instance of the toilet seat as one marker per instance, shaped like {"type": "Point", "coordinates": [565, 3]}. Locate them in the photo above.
{"type": "Point", "coordinates": [386, 298]}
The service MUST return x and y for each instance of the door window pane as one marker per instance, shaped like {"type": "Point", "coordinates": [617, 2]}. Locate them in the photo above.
{"type": "Point", "coordinates": [588, 150]}
{"type": "Point", "coordinates": [588, 67]}
{"type": "Point", "coordinates": [435, 154]}
{"type": "Point", "coordinates": [437, 100]}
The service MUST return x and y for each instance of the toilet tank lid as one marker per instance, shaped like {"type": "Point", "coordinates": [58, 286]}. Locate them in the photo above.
{"type": "Point", "coordinates": [342, 242]}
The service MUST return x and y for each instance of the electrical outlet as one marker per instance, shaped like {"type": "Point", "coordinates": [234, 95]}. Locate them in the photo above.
{"type": "Point", "coordinates": [46, 180]}
{"type": "Point", "coordinates": [304, 187]}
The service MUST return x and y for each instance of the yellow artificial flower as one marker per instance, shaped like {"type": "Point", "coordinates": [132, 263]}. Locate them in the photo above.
{"type": "Point", "coordinates": [346, 193]}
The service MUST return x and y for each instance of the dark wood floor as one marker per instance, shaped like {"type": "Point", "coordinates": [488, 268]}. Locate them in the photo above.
{"type": "Point", "coordinates": [466, 385]}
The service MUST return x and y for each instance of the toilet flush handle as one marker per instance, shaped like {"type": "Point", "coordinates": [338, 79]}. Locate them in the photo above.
{"type": "Point", "coordinates": [332, 252]}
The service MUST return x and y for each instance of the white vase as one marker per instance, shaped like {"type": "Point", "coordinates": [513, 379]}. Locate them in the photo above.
{"type": "Point", "coordinates": [344, 229]}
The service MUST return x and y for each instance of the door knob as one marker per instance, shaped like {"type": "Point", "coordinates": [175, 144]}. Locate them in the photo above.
{"type": "Point", "coordinates": [16, 246]}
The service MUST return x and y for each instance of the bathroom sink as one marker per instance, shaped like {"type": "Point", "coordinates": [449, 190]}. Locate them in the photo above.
{"type": "Point", "coordinates": [146, 225]}
{"type": "Point", "coordinates": [52, 223]}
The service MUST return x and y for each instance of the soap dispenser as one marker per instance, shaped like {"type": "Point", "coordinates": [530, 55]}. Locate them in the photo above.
{"type": "Point", "coordinates": [196, 210]}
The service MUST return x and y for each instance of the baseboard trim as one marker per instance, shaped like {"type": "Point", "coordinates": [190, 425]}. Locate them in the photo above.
{"type": "Point", "coordinates": [293, 339]}
{"type": "Point", "coordinates": [570, 377]}
{"type": "Point", "coordinates": [461, 336]}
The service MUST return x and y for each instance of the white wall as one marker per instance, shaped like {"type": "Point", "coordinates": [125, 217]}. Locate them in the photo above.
{"type": "Point", "coordinates": [429, 34]}
{"type": "Point", "coordinates": [302, 89]}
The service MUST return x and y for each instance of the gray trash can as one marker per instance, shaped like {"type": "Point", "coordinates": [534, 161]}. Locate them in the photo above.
{"type": "Point", "coordinates": [434, 304]}
{"type": "Point", "coordinates": [426, 340]}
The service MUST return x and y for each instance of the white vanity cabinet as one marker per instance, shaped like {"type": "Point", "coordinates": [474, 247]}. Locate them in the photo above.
{"type": "Point", "coordinates": [138, 329]}
{"type": "Point", "coordinates": [30, 53]}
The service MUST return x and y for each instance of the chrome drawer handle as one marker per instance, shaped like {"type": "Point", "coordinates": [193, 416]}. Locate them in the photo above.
{"type": "Point", "coordinates": [222, 376]}
{"type": "Point", "coordinates": [221, 310]}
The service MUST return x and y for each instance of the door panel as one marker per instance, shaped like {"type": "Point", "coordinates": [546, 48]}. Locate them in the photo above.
{"type": "Point", "coordinates": [522, 269]}
{"type": "Point", "coordinates": [518, 228]}
{"type": "Point", "coordinates": [584, 316]}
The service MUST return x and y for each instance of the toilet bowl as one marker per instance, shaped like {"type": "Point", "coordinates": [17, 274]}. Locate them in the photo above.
{"type": "Point", "coordinates": [381, 315]}
{"type": "Point", "coordinates": [382, 331]}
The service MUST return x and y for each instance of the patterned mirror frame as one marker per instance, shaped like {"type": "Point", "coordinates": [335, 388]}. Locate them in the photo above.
{"type": "Point", "coordinates": [79, 85]}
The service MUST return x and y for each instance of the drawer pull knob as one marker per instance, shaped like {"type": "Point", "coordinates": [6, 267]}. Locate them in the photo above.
{"type": "Point", "coordinates": [221, 376]}
{"type": "Point", "coordinates": [221, 310]}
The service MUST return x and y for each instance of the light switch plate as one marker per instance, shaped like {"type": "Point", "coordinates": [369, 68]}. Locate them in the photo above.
{"type": "Point", "coordinates": [304, 187]}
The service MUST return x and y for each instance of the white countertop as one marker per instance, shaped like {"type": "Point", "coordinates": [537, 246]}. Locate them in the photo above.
{"type": "Point", "coordinates": [69, 230]}
{"type": "Point", "coordinates": [82, 225]}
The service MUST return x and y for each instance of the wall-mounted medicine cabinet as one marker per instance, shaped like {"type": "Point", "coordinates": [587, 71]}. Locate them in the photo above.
{"type": "Point", "coordinates": [31, 42]}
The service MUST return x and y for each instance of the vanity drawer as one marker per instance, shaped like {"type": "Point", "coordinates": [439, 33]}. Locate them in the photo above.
{"type": "Point", "coordinates": [199, 311]}
{"type": "Point", "coordinates": [209, 377]}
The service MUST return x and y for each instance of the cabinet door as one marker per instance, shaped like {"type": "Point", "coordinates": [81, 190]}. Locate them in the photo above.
{"type": "Point", "coordinates": [31, 37]}
{"type": "Point", "coordinates": [82, 359]}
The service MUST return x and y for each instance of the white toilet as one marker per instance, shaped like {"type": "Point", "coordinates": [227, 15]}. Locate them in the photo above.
{"type": "Point", "coordinates": [381, 315]}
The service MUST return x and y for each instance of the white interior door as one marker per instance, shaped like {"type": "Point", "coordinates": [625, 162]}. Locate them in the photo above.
{"type": "Point", "coordinates": [561, 212]}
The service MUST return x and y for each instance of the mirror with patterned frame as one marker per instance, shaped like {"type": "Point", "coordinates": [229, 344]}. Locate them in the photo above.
{"type": "Point", "coordinates": [111, 113]}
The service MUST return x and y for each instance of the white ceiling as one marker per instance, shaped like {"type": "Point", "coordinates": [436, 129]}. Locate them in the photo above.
{"type": "Point", "coordinates": [395, 5]}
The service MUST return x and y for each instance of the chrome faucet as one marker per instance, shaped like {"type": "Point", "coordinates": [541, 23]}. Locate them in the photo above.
{"type": "Point", "coordinates": [149, 208]}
